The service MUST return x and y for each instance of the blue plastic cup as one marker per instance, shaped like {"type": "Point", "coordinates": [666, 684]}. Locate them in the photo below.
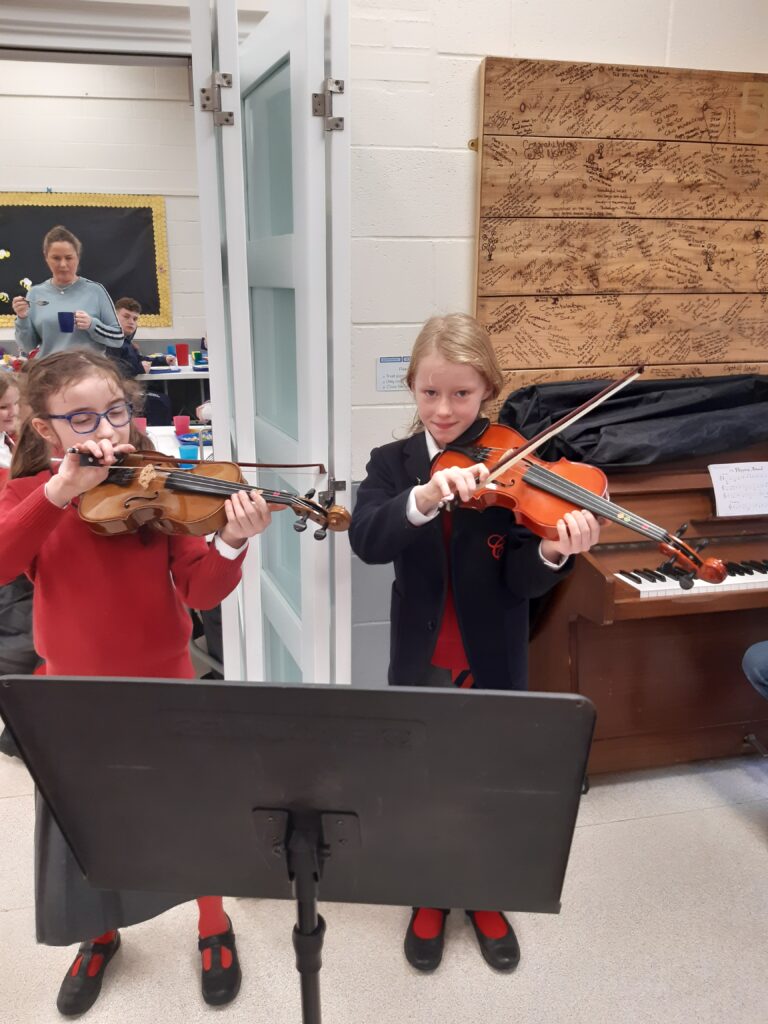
{"type": "Point", "coordinates": [188, 451]}
{"type": "Point", "coordinates": [66, 322]}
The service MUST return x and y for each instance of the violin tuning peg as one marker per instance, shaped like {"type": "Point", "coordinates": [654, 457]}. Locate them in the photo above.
{"type": "Point", "coordinates": [321, 533]}
{"type": "Point", "coordinates": [310, 494]}
{"type": "Point", "coordinates": [300, 525]}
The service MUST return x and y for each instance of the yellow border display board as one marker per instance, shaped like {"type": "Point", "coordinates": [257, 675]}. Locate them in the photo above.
{"type": "Point", "coordinates": [155, 204]}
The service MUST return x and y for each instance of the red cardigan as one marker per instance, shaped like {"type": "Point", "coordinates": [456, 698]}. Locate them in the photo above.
{"type": "Point", "coordinates": [107, 606]}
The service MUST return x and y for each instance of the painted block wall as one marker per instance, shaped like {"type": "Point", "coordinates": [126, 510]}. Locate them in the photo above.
{"type": "Point", "coordinates": [415, 103]}
{"type": "Point", "coordinates": [104, 128]}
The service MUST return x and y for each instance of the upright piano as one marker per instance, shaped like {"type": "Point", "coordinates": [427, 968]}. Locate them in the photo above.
{"type": "Point", "coordinates": [661, 664]}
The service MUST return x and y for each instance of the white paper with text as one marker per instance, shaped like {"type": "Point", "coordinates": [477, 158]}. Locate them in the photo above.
{"type": "Point", "coordinates": [741, 488]}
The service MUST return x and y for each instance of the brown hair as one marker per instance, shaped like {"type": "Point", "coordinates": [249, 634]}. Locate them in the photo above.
{"type": "Point", "coordinates": [128, 303]}
{"type": "Point", "coordinates": [458, 338]}
{"type": "Point", "coordinates": [47, 376]}
{"type": "Point", "coordinates": [8, 380]}
{"type": "Point", "coordinates": [62, 234]}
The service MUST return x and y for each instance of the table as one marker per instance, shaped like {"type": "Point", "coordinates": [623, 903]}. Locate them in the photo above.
{"type": "Point", "coordinates": [185, 373]}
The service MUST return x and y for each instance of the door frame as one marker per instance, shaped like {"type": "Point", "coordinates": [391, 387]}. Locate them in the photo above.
{"type": "Point", "coordinates": [220, 27]}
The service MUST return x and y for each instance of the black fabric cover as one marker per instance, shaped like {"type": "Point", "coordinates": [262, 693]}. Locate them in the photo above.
{"type": "Point", "coordinates": [648, 421]}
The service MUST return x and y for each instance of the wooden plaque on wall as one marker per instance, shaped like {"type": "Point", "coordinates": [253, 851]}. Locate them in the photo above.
{"type": "Point", "coordinates": [125, 246]}
{"type": "Point", "coordinates": [623, 218]}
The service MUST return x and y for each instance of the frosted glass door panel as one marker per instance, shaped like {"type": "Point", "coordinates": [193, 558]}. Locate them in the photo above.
{"type": "Point", "coordinates": [281, 546]}
{"type": "Point", "coordinates": [273, 330]}
{"type": "Point", "coordinates": [268, 155]}
{"type": "Point", "coordinates": [280, 666]}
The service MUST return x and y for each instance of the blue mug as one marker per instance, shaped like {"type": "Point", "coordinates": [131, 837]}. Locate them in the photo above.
{"type": "Point", "coordinates": [66, 322]}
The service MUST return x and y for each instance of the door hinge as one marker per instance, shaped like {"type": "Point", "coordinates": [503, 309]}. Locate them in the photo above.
{"type": "Point", "coordinates": [334, 486]}
{"type": "Point", "coordinates": [322, 104]}
{"type": "Point", "coordinates": [210, 97]}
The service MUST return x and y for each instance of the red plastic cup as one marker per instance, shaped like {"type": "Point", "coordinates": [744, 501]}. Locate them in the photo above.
{"type": "Point", "coordinates": [140, 422]}
{"type": "Point", "coordinates": [181, 424]}
{"type": "Point", "coordinates": [182, 354]}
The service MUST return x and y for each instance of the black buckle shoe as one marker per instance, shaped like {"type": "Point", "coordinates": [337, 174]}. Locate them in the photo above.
{"type": "Point", "coordinates": [424, 954]}
{"type": "Point", "coordinates": [501, 954]}
{"type": "Point", "coordinates": [79, 992]}
{"type": "Point", "coordinates": [220, 984]}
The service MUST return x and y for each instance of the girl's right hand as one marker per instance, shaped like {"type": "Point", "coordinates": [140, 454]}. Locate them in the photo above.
{"type": "Point", "coordinates": [20, 306]}
{"type": "Point", "coordinates": [73, 479]}
{"type": "Point", "coordinates": [449, 482]}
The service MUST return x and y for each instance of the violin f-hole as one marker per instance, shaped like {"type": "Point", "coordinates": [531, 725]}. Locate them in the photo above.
{"type": "Point", "coordinates": [141, 497]}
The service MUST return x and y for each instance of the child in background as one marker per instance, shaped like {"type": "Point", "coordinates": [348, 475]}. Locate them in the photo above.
{"type": "Point", "coordinates": [9, 416]}
{"type": "Point", "coordinates": [79, 402]}
{"type": "Point", "coordinates": [17, 651]}
{"type": "Point", "coordinates": [463, 579]}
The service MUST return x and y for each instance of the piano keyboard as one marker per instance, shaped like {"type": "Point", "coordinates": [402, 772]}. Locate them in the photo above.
{"type": "Point", "coordinates": [748, 575]}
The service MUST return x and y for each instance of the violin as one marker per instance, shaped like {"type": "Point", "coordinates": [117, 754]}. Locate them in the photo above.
{"type": "Point", "coordinates": [538, 493]}
{"type": "Point", "coordinates": [149, 489]}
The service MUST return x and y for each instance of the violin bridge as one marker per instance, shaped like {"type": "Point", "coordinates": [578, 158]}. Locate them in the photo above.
{"type": "Point", "coordinates": [146, 476]}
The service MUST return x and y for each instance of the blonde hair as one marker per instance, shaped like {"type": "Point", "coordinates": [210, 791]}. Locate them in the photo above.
{"type": "Point", "coordinates": [44, 378]}
{"type": "Point", "coordinates": [458, 338]}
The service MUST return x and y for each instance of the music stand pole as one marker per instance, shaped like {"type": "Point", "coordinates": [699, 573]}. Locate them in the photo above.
{"type": "Point", "coordinates": [304, 869]}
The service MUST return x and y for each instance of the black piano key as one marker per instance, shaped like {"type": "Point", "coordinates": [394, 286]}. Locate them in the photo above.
{"type": "Point", "coordinates": [632, 576]}
{"type": "Point", "coordinates": [733, 569]}
{"type": "Point", "coordinates": [657, 576]}
{"type": "Point", "coordinates": [644, 574]}
{"type": "Point", "coordinates": [757, 566]}
{"type": "Point", "coordinates": [746, 568]}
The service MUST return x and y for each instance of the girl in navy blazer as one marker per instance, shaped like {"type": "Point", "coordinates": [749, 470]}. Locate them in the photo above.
{"type": "Point", "coordinates": [459, 612]}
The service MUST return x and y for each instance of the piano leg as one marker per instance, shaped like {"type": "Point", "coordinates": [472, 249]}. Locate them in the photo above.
{"type": "Point", "coordinates": [753, 741]}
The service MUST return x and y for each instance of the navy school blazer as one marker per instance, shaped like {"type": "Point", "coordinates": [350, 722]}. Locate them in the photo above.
{"type": "Point", "coordinates": [495, 566]}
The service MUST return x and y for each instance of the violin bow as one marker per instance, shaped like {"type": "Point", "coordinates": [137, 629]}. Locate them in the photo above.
{"type": "Point", "coordinates": [514, 455]}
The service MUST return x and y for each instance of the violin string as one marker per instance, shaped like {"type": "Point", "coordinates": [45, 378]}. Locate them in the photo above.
{"type": "Point", "coordinates": [195, 484]}
{"type": "Point", "coordinates": [569, 490]}
{"type": "Point", "coordinates": [547, 480]}
{"type": "Point", "coordinates": [209, 485]}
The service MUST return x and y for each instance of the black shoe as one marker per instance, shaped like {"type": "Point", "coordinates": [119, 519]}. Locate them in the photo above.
{"type": "Point", "coordinates": [8, 745]}
{"type": "Point", "coordinates": [220, 984]}
{"type": "Point", "coordinates": [79, 992]}
{"type": "Point", "coordinates": [501, 954]}
{"type": "Point", "coordinates": [424, 954]}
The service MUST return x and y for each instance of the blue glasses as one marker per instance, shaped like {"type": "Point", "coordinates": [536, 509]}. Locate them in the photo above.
{"type": "Point", "coordinates": [86, 422]}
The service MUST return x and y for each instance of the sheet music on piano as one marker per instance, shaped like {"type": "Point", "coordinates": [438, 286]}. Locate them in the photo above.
{"type": "Point", "coordinates": [741, 488]}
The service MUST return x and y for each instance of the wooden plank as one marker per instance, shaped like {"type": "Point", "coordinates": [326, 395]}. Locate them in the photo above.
{"type": "Point", "coordinates": [545, 177]}
{"type": "Point", "coordinates": [575, 100]}
{"type": "Point", "coordinates": [615, 330]}
{"type": "Point", "coordinates": [580, 257]}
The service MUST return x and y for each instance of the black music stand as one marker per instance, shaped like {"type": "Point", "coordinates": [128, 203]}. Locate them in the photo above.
{"type": "Point", "coordinates": [355, 795]}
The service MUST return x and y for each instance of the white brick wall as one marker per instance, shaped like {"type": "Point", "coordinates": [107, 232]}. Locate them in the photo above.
{"type": "Point", "coordinates": [415, 103]}
{"type": "Point", "coordinates": [102, 128]}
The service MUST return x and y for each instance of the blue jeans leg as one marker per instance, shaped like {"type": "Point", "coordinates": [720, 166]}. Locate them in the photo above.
{"type": "Point", "coordinates": [755, 665]}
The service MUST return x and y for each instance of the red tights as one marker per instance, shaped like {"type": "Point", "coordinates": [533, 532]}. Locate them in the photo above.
{"type": "Point", "coordinates": [211, 921]}
{"type": "Point", "coordinates": [428, 923]}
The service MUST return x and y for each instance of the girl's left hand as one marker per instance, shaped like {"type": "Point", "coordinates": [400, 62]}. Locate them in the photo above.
{"type": "Point", "coordinates": [247, 515]}
{"type": "Point", "coordinates": [578, 531]}
{"type": "Point", "coordinates": [82, 320]}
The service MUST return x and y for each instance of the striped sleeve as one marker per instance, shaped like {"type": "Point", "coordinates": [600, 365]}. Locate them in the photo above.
{"type": "Point", "coordinates": [105, 329]}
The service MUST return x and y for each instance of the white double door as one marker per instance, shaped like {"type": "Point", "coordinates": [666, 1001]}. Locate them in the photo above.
{"type": "Point", "coordinates": [274, 202]}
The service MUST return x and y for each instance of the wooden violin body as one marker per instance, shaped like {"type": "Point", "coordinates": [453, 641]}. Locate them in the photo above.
{"type": "Point", "coordinates": [149, 489]}
{"type": "Point", "coordinates": [533, 507]}
{"type": "Point", "coordinates": [539, 493]}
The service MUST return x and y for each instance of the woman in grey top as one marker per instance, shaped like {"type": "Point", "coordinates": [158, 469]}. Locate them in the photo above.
{"type": "Point", "coordinates": [37, 315]}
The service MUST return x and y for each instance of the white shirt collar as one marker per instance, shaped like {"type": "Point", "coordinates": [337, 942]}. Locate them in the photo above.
{"type": "Point", "coordinates": [432, 446]}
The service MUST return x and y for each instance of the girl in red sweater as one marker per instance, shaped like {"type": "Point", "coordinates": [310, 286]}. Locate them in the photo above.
{"type": "Point", "coordinates": [78, 399]}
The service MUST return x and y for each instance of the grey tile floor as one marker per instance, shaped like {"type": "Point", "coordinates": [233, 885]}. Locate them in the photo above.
{"type": "Point", "coordinates": [665, 918]}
